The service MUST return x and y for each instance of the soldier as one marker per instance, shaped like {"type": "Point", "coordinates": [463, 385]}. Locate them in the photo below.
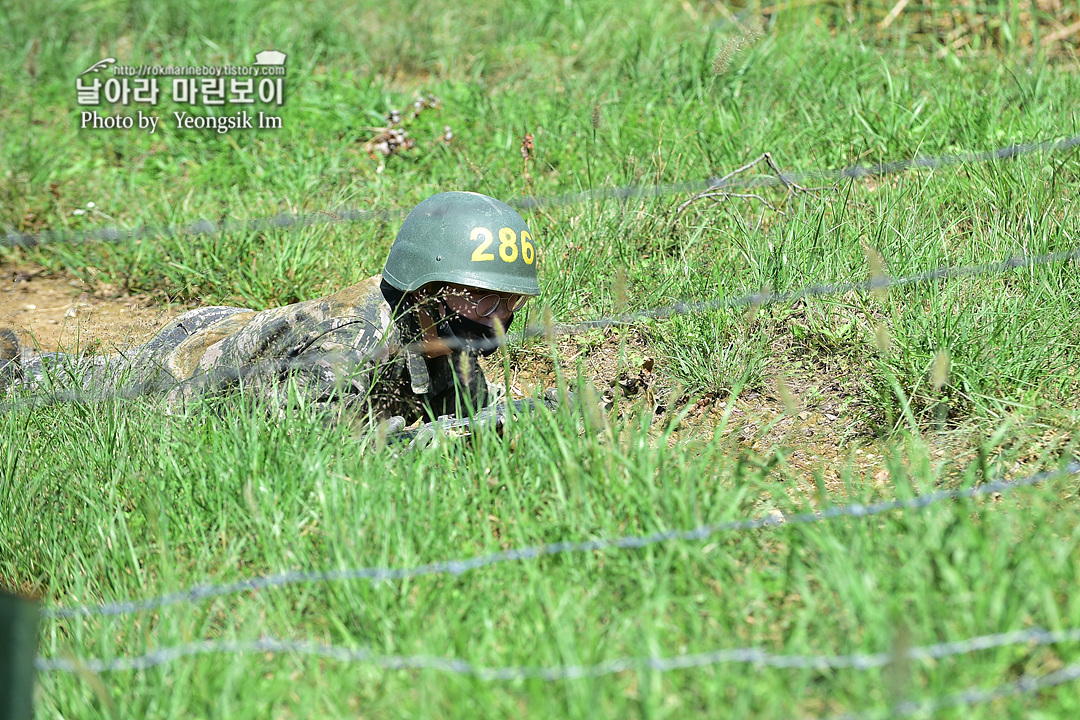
{"type": "Point", "coordinates": [398, 346]}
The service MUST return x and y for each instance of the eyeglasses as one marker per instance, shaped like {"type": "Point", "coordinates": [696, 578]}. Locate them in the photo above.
{"type": "Point", "coordinates": [488, 304]}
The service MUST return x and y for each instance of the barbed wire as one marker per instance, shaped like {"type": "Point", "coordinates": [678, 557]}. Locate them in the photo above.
{"type": "Point", "coordinates": [284, 221]}
{"type": "Point", "coordinates": [853, 172]}
{"type": "Point", "coordinates": [532, 552]}
{"type": "Point", "coordinates": [349, 215]}
{"type": "Point", "coordinates": [746, 655]}
{"type": "Point", "coordinates": [770, 298]}
{"type": "Point", "coordinates": [973, 696]}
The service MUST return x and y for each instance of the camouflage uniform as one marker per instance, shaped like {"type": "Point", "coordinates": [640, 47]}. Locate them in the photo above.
{"type": "Point", "coordinates": [344, 348]}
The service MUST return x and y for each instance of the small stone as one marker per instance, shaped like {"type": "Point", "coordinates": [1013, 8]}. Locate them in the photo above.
{"type": "Point", "coordinates": [775, 516]}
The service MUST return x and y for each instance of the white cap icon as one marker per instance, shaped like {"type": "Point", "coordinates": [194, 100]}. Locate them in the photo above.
{"type": "Point", "coordinates": [270, 57]}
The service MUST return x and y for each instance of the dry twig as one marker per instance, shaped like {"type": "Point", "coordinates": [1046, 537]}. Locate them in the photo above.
{"type": "Point", "coordinates": [717, 193]}
{"type": "Point", "coordinates": [1061, 34]}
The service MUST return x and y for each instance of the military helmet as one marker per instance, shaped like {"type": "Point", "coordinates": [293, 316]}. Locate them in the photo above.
{"type": "Point", "coordinates": [467, 239]}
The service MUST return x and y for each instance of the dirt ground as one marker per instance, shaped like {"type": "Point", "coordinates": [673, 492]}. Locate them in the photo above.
{"type": "Point", "coordinates": [815, 437]}
{"type": "Point", "coordinates": [818, 432]}
{"type": "Point", "coordinates": [55, 312]}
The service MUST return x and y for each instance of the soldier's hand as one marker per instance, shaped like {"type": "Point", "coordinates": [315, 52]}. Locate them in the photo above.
{"type": "Point", "coordinates": [554, 397]}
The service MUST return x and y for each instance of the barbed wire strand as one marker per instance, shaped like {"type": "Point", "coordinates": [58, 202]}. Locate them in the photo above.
{"type": "Point", "coordinates": [460, 566]}
{"type": "Point", "coordinates": [746, 655]}
{"type": "Point", "coordinates": [974, 696]}
{"type": "Point", "coordinates": [290, 221]}
{"type": "Point", "coordinates": [853, 172]}
{"type": "Point", "coordinates": [817, 290]}
{"type": "Point", "coordinates": [283, 221]}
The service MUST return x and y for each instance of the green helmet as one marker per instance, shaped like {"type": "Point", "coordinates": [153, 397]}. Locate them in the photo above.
{"type": "Point", "coordinates": [464, 238]}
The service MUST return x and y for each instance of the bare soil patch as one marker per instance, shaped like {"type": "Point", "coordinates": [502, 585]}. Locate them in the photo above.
{"type": "Point", "coordinates": [54, 312]}
{"type": "Point", "coordinates": [819, 434]}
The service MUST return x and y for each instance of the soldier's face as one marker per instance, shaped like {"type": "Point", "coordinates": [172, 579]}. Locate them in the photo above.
{"type": "Point", "coordinates": [482, 306]}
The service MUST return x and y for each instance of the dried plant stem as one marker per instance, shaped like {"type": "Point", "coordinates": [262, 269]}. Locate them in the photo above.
{"type": "Point", "coordinates": [716, 192]}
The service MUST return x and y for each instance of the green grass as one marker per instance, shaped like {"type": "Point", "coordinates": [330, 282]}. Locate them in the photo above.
{"type": "Point", "coordinates": [118, 501]}
{"type": "Point", "coordinates": [112, 503]}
